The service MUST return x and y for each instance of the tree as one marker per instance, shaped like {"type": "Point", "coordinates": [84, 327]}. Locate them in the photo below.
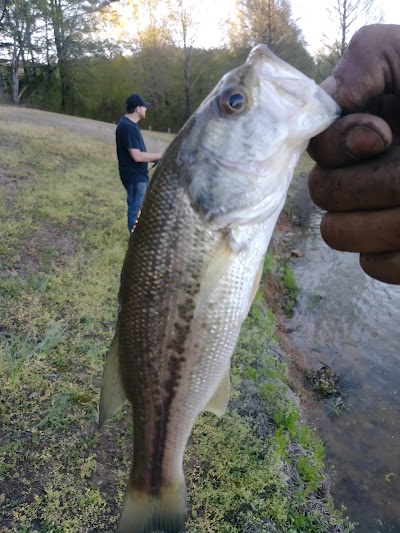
{"type": "Point", "coordinates": [325, 60]}
{"type": "Point", "coordinates": [167, 63]}
{"type": "Point", "coordinates": [42, 38]}
{"type": "Point", "coordinates": [18, 19]}
{"type": "Point", "coordinates": [72, 23]}
{"type": "Point", "coordinates": [347, 16]}
{"type": "Point", "coordinates": [182, 30]}
{"type": "Point", "coordinates": [153, 57]}
{"type": "Point", "coordinates": [269, 22]}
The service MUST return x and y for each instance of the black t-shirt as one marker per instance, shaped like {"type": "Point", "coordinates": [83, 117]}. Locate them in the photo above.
{"type": "Point", "coordinates": [128, 135]}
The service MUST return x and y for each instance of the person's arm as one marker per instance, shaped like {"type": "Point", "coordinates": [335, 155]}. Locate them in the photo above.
{"type": "Point", "coordinates": [357, 176]}
{"type": "Point", "coordinates": [144, 157]}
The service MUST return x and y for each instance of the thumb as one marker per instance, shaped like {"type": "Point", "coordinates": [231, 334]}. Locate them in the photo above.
{"type": "Point", "coordinates": [350, 139]}
{"type": "Point", "coordinates": [370, 67]}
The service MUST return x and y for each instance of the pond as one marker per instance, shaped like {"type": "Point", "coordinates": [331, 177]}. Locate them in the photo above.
{"type": "Point", "coordinates": [350, 322]}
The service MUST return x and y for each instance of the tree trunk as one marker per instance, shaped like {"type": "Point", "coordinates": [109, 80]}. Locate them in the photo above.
{"type": "Point", "coordinates": [59, 39]}
{"type": "Point", "coordinates": [188, 103]}
{"type": "Point", "coordinates": [14, 77]}
{"type": "Point", "coordinates": [65, 86]}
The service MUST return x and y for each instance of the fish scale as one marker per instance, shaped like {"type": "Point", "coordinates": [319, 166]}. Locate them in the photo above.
{"type": "Point", "coordinates": [158, 283]}
{"type": "Point", "coordinates": [193, 266]}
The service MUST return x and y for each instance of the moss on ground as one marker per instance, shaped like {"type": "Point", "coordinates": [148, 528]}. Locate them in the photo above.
{"type": "Point", "coordinates": [63, 239]}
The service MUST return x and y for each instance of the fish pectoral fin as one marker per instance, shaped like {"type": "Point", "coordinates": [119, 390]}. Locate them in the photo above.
{"type": "Point", "coordinates": [253, 292]}
{"type": "Point", "coordinates": [220, 262]}
{"type": "Point", "coordinates": [112, 396]}
{"type": "Point", "coordinates": [219, 400]}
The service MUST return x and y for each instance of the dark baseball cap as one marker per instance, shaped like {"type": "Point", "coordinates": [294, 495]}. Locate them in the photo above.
{"type": "Point", "coordinates": [135, 100]}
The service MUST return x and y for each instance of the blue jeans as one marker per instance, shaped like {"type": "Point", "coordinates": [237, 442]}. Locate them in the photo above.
{"type": "Point", "coordinates": [134, 197]}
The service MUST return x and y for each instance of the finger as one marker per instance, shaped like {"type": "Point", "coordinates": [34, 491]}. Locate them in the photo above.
{"type": "Point", "coordinates": [383, 267]}
{"type": "Point", "coordinates": [389, 110]}
{"type": "Point", "coordinates": [366, 232]}
{"type": "Point", "coordinates": [373, 184]}
{"type": "Point", "coordinates": [370, 67]}
{"type": "Point", "coordinates": [349, 139]}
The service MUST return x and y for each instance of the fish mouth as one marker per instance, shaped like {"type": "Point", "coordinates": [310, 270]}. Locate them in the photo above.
{"type": "Point", "coordinates": [290, 81]}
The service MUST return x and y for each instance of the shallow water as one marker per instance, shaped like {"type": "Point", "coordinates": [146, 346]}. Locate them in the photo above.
{"type": "Point", "coordinates": [351, 322]}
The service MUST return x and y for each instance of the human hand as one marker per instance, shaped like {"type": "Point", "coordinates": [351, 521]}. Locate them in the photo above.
{"type": "Point", "coordinates": [357, 176]}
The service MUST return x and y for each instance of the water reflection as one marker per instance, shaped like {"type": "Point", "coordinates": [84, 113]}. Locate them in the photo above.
{"type": "Point", "coordinates": [351, 322]}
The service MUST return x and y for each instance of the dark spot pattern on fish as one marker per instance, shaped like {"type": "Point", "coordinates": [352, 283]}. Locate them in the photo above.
{"type": "Point", "coordinates": [174, 366]}
{"type": "Point", "coordinates": [186, 310]}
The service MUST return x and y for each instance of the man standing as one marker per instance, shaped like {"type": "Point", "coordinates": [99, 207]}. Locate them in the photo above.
{"type": "Point", "coordinates": [133, 156]}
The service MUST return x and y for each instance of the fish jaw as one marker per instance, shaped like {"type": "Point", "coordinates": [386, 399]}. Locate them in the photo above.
{"type": "Point", "coordinates": [238, 165]}
{"type": "Point", "coordinates": [304, 106]}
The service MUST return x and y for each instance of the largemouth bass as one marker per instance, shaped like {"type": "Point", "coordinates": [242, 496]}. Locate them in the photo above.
{"type": "Point", "coordinates": [193, 266]}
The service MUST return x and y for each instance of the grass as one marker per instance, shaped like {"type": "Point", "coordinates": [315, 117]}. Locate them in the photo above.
{"type": "Point", "coordinates": [19, 351]}
{"type": "Point", "coordinates": [63, 240]}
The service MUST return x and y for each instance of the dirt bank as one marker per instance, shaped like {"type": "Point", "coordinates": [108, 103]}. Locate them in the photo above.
{"type": "Point", "coordinates": [276, 298]}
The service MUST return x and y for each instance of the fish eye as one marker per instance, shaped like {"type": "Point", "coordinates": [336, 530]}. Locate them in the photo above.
{"type": "Point", "coordinates": [233, 101]}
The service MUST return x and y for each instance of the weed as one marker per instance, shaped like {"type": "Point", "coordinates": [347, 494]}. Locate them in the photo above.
{"type": "Point", "coordinates": [19, 350]}
{"type": "Point", "coordinates": [56, 414]}
{"type": "Point", "coordinates": [336, 406]}
{"type": "Point", "coordinates": [324, 381]}
{"type": "Point", "coordinates": [289, 279]}
{"type": "Point", "coordinates": [40, 282]}
{"type": "Point", "coordinates": [313, 300]}
{"type": "Point", "coordinates": [290, 288]}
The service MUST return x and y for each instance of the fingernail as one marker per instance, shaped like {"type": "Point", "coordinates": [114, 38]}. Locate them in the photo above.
{"type": "Point", "coordinates": [363, 141]}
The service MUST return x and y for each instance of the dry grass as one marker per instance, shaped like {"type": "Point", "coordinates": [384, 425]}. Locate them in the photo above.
{"type": "Point", "coordinates": [93, 129]}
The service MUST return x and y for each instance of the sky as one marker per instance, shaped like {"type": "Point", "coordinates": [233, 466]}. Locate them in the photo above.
{"type": "Point", "coordinates": [313, 18]}
{"type": "Point", "coordinates": [311, 15]}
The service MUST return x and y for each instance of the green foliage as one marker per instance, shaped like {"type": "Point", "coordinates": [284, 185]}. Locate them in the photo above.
{"type": "Point", "coordinates": [254, 340]}
{"type": "Point", "coordinates": [279, 271]}
{"type": "Point", "coordinates": [17, 351]}
{"type": "Point", "coordinates": [336, 406]}
{"type": "Point", "coordinates": [290, 288]}
{"type": "Point", "coordinates": [236, 478]}
{"type": "Point", "coordinates": [289, 280]}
